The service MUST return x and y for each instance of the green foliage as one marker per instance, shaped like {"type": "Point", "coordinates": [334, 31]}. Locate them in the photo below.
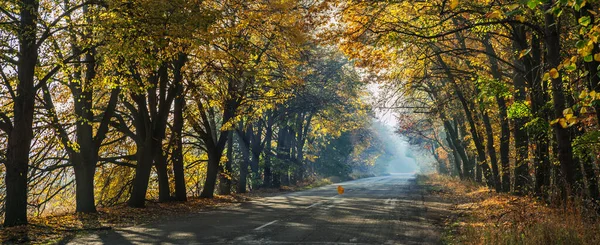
{"type": "Point", "coordinates": [537, 126]}
{"type": "Point", "coordinates": [586, 144]}
{"type": "Point", "coordinates": [519, 110]}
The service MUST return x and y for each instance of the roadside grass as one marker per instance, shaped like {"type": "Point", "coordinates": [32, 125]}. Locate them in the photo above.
{"type": "Point", "coordinates": [482, 216]}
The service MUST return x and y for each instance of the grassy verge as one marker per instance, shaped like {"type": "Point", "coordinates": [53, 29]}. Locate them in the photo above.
{"type": "Point", "coordinates": [482, 216]}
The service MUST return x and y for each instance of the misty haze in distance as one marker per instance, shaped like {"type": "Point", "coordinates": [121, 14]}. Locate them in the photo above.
{"type": "Point", "coordinates": [397, 153]}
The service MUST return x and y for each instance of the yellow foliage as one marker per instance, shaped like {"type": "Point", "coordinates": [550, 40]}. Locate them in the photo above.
{"type": "Point", "coordinates": [554, 73]}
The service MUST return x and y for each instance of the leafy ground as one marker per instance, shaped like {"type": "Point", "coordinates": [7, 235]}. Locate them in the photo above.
{"type": "Point", "coordinates": [486, 217]}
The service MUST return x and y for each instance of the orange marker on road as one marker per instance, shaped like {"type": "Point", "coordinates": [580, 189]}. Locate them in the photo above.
{"type": "Point", "coordinates": [340, 189]}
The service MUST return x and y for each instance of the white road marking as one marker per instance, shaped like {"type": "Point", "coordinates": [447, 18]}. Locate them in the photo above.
{"type": "Point", "coordinates": [314, 204]}
{"type": "Point", "coordinates": [265, 225]}
{"type": "Point", "coordinates": [321, 202]}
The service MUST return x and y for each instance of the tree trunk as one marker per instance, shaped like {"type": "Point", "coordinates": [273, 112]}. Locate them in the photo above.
{"type": "Point", "coordinates": [522, 178]}
{"type": "Point", "coordinates": [142, 175]}
{"type": "Point", "coordinates": [84, 186]}
{"type": "Point", "coordinates": [245, 148]}
{"type": "Point", "coordinates": [481, 156]}
{"type": "Point", "coordinates": [457, 160]}
{"type": "Point", "coordinates": [178, 121]}
{"type": "Point", "coordinates": [256, 149]}
{"type": "Point", "coordinates": [19, 138]}
{"type": "Point", "coordinates": [592, 180]}
{"type": "Point", "coordinates": [478, 172]}
{"type": "Point", "coordinates": [255, 175]}
{"type": "Point", "coordinates": [491, 150]}
{"type": "Point", "coordinates": [225, 176]}
{"type": "Point", "coordinates": [177, 153]}
{"type": "Point", "coordinates": [160, 163]}
{"type": "Point", "coordinates": [539, 98]}
{"type": "Point", "coordinates": [268, 177]}
{"type": "Point", "coordinates": [283, 153]}
{"type": "Point", "coordinates": [468, 171]}
{"type": "Point", "coordinates": [563, 139]}
{"type": "Point", "coordinates": [503, 117]}
{"type": "Point", "coordinates": [214, 158]}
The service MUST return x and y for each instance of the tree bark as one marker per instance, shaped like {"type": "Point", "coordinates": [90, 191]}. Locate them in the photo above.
{"type": "Point", "coordinates": [214, 158]}
{"type": "Point", "coordinates": [177, 153]}
{"type": "Point", "coordinates": [256, 149]}
{"type": "Point", "coordinates": [522, 178]}
{"type": "Point", "coordinates": [563, 139]}
{"type": "Point", "coordinates": [177, 134]}
{"type": "Point", "coordinates": [503, 116]}
{"type": "Point", "coordinates": [150, 123]}
{"type": "Point", "coordinates": [457, 160]}
{"type": "Point", "coordinates": [225, 176]}
{"type": "Point", "coordinates": [245, 148]}
{"type": "Point", "coordinates": [268, 176]}
{"type": "Point", "coordinates": [142, 175]}
{"type": "Point", "coordinates": [491, 150]}
{"type": "Point", "coordinates": [160, 164]}
{"type": "Point", "coordinates": [481, 155]}
{"type": "Point", "coordinates": [21, 134]}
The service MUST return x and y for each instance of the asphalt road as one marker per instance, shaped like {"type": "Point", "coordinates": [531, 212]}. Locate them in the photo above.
{"type": "Point", "coordinates": [379, 210]}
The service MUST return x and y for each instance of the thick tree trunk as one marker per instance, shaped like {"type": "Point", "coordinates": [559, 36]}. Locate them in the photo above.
{"type": "Point", "coordinates": [142, 175]}
{"type": "Point", "coordinates": [84, 186]}
{"type": "Point", "coordinates": [563, 139]}
{"type": "Point", "coordinates": [177, 153]}
{"type": "Point", "coordinates": [178, 121]}
{"type": "Point", "coordinates": [160, 163]}
{"type": "Point", "coordinates": [86, 158]}
{"type": "Point", "coordinates": [19, 139]}
{"type": "Point", "coordinates": [214, 158]}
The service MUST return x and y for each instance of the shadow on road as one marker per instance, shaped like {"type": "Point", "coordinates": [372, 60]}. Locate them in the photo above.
{"type": "Point", "coordinates": [380, 210]}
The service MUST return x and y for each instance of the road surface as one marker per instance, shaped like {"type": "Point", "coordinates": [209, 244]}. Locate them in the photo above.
{"type": "Point", "coordinates": [380, 210]}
